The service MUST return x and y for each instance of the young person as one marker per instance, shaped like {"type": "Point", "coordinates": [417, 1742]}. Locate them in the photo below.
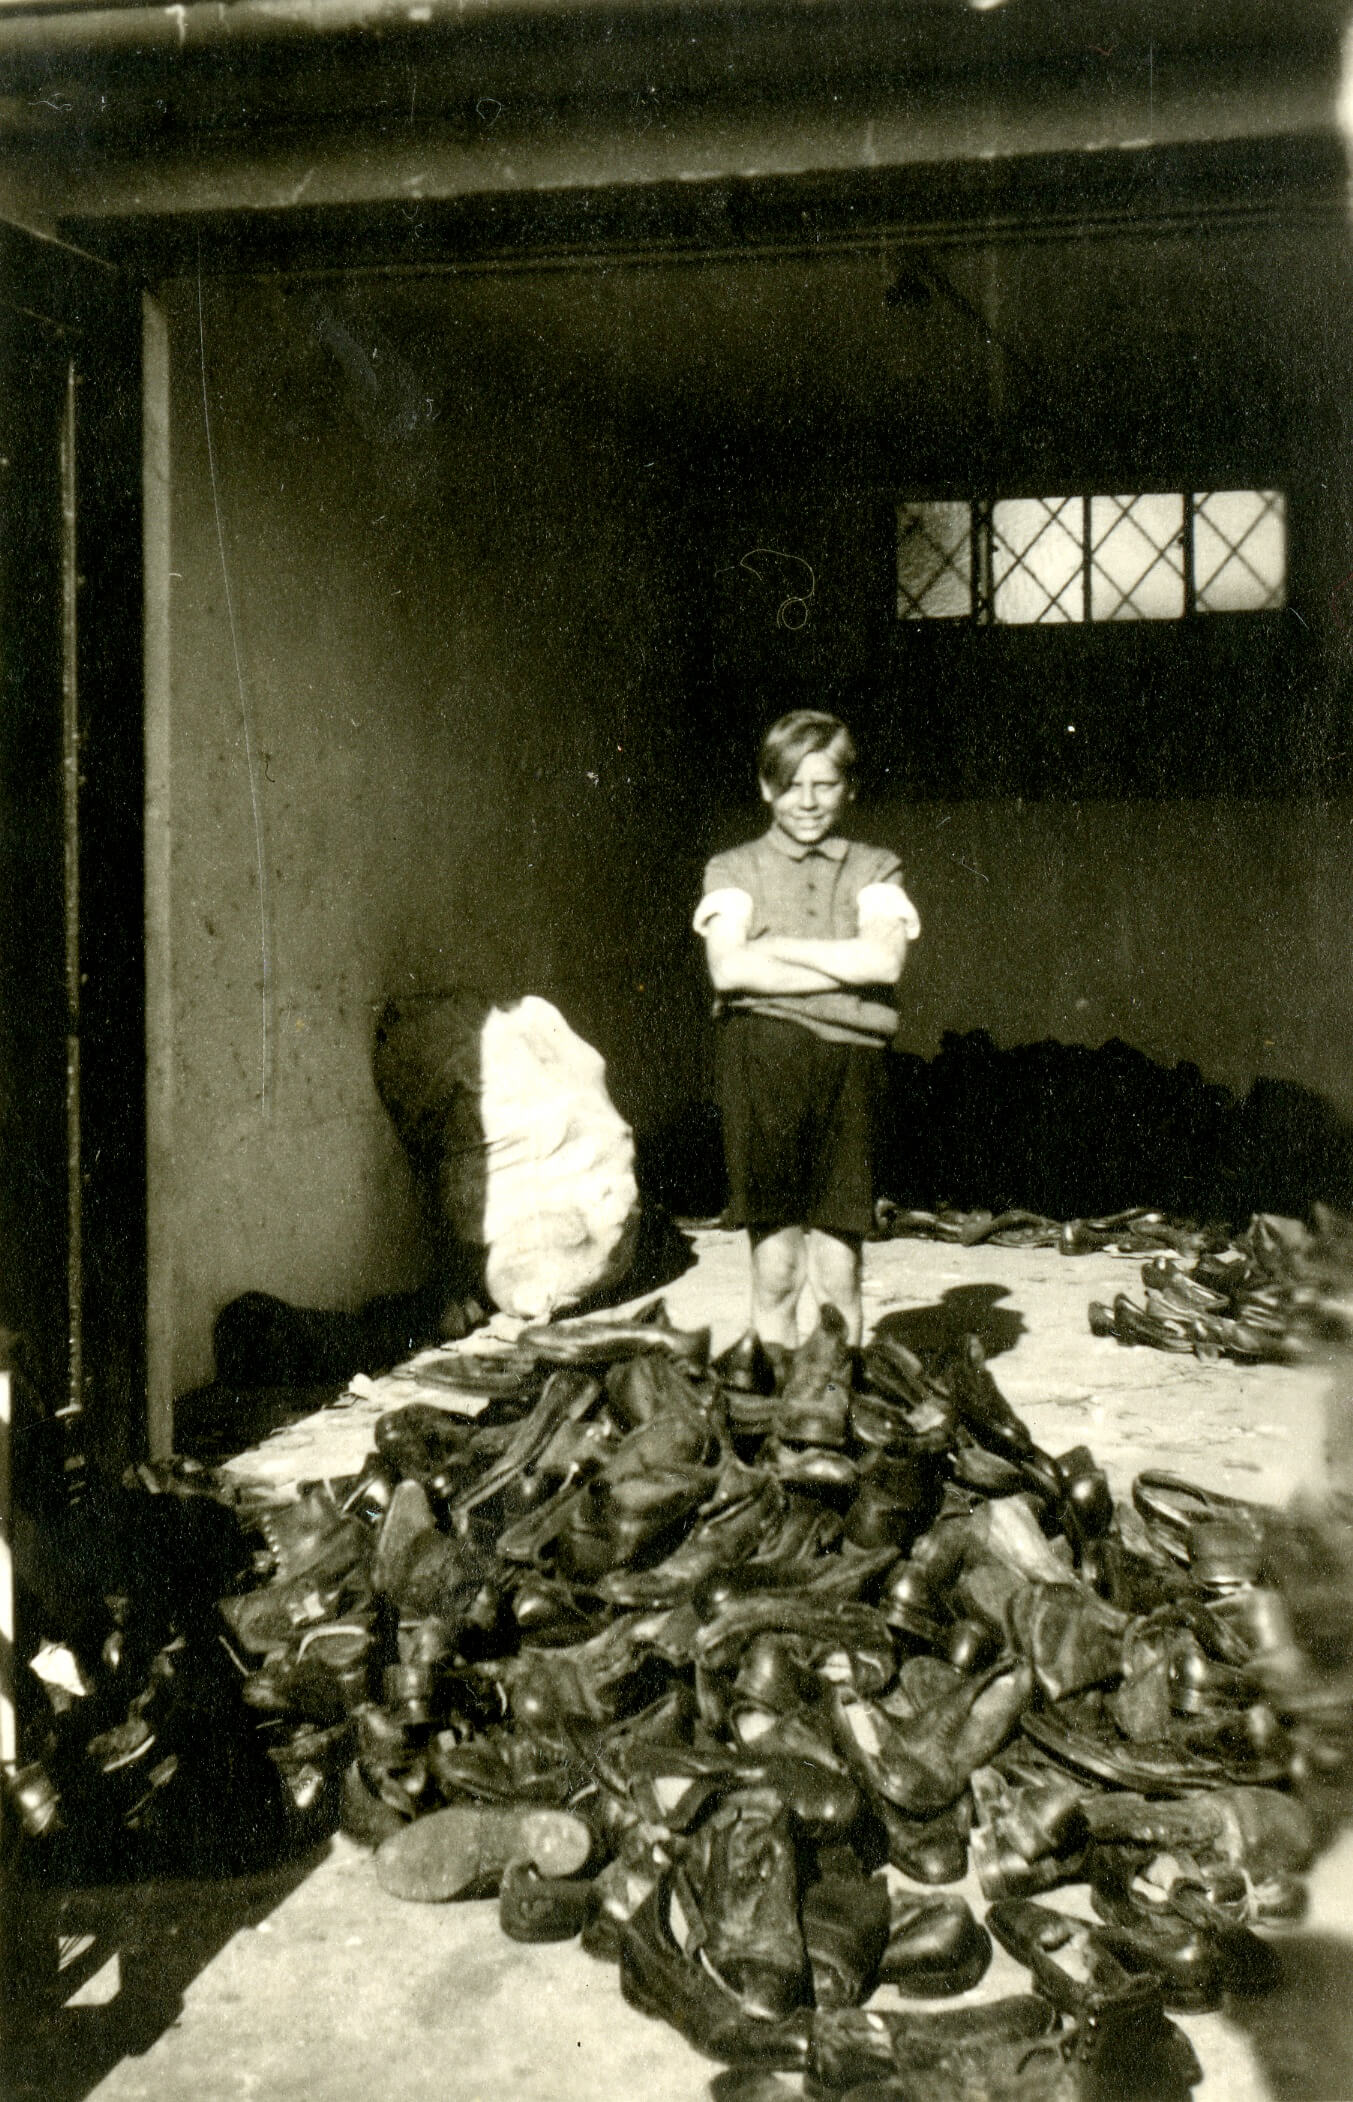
{"type": "Point", "coordinates": [805, 933]}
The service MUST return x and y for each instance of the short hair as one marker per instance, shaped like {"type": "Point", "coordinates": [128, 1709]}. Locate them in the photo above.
{"type": "Point", "coordinates": [789, 741]}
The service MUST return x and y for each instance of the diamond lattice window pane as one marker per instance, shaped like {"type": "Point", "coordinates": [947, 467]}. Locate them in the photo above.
{"type": "Point", "coordinates": [1136, 557]}
{"type": "Point", "coordinates": [934, 561]}
{"type": "Point", "coordinates": [1036, 559]}
{"type": "Point", "coordinates": [1239, 550]}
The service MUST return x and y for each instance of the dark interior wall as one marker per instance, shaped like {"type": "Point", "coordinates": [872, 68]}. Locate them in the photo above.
{"type": "Point", "coordinates": [1171, 861]}
{"type": "Point", "coordinates": [1139, 830]}
{"type": "Point", "coordinates": [425, 722]}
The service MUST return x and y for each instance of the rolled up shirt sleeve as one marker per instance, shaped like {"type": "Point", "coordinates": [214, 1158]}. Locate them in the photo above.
{"type": "Point", "coordinates": [732, 907]}
{"type": "Point", "coordinates": [888, 901]}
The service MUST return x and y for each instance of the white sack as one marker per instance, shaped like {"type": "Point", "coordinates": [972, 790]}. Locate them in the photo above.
{"type": "Point", "coordinates": [520, 1148]}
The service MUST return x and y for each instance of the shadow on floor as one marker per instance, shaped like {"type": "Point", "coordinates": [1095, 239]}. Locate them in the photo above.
{"type": "Point", "coordinates": [662, 1253]}
{"type": "Point", "coordinates": [1302, 2033]}
{"type": "Point", "coordinates": [217, 1421]}
{"type": "Point", "coordinates": [964, 1310]}
{"type": "Point", "coordinates": [126, 1955]}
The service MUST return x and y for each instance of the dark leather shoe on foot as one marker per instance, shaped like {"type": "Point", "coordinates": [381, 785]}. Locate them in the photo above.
{"type": "Point", "coordinates": [813, 1406]}
{"type": "Point", "coordinates": [745, 1367]}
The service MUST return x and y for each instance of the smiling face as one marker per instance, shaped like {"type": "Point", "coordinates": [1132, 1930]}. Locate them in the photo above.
{"type": "Point", "coordinates": [812, 805]}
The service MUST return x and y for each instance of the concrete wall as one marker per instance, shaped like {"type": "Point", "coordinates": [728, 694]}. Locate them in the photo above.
{"type": "Point", "coordinates": [1216, 931]}
{"type": "Point", "coordinates": [422, 696]}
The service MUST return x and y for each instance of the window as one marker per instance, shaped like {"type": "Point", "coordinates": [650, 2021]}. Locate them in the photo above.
{"type": "Point", "coordinates": [1043, 560]}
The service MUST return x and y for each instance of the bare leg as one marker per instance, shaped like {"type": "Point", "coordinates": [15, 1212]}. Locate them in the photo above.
{"type": "Point", "coordinates": [779, 1267]}
{"type": "Point", "coordinates": [834, 1272]}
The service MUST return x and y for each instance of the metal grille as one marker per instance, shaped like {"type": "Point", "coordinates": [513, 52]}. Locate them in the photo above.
{"type": "Point", "coordinates": [1037, 560]}
{"type": "Point", "coordinates": [1136, 556]}
{"type": "Point", "coordinates": [1239, 550]}
{"type": "Point", "coordinates": [934, 561]}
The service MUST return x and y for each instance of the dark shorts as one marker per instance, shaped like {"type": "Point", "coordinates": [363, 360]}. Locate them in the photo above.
{"type": "Point", "coordinates": [799, 1118]}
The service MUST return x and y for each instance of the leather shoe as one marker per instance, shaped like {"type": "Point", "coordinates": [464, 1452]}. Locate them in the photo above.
{"type": "Point", "coordinates": [1082, 1733]}
{"type": "Point", "coordinates": [845, 1931]}
{"type": "Point", "coordinates": [930, 1850]}
{"type": "Point", "coordinates": [640, 1389]}
{"type": "Point", "coordinates": [898, 1375]}
{"type": "Point", "coordinates": [853, 2045]}
{"type": "Point", "coordinates": [1171, 1506]}
{"type": "Point", "coordinates": [923, 1764]}
{"type": "Point", "coordinates": [1121, 2031]}
{"type": "Point", "coordinates": [1255, 1829]}
{"type": "Point", "coordinates": [601, 1342]}
{"type": "Point", "coordinates": [911, 1604]}
{"type": "Point", "coordinates": [812, 1408]}
{"type": "Point", "coordinates": [935, 1946]}
{"type": "Point", "coordinates": [980, 1405]}
{"type": "Point", "coordinates": [742, 1869]}
{"type": "Point", "coordinates": [1218, 1894]}
{"type": "Point", "coordinates": [532, 1907]}
{"type": "Point", "coordinates": [819, 1469]}
{"type": "Point", "coordinates": [367, 1815]}
{"type": "Point", "coordinates": [659, 1978]}
{"type": "Point", "coordinates": [745, 1367]}
{"type": "Point", "coordinates": [621, 1889]}
{"type": "Point", "coordinates": [897, 1499]}
{"type": "Point", "coordinates": [732, 1523]}
{"type": "Point", "coordinates": [428, 1445]}
{"type": "Point", "coordinates": [1029, 1836]}
{"type": "Point", "coordinates": [1072, 1638]}
{"type": "Point", "coordinates": [550, 1612]}
{"type": "Point", "coordinates": [1196, 1956]}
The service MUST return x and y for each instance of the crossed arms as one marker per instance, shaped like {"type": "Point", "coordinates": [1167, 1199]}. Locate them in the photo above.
{"type": "Point", "coordinates": [782, 963]}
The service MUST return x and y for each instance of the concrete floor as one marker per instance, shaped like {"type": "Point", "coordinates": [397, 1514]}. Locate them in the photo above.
{"type": "Point", "coordinates": [316, 1987]}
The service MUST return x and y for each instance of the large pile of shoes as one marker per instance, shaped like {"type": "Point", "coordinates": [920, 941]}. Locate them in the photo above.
{"type": "Point", "coordinates": [731, 1668]}
{"type": "Point", "coordinates": [1259, 1297]}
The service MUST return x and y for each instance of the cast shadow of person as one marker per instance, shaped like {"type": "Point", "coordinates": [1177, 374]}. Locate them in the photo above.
{"type": "Point", "coordinates": [964, 1310]}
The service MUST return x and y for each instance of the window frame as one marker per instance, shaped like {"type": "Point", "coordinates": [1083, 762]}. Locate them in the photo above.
{"type": "Point", "coordinates": [981, 559]}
